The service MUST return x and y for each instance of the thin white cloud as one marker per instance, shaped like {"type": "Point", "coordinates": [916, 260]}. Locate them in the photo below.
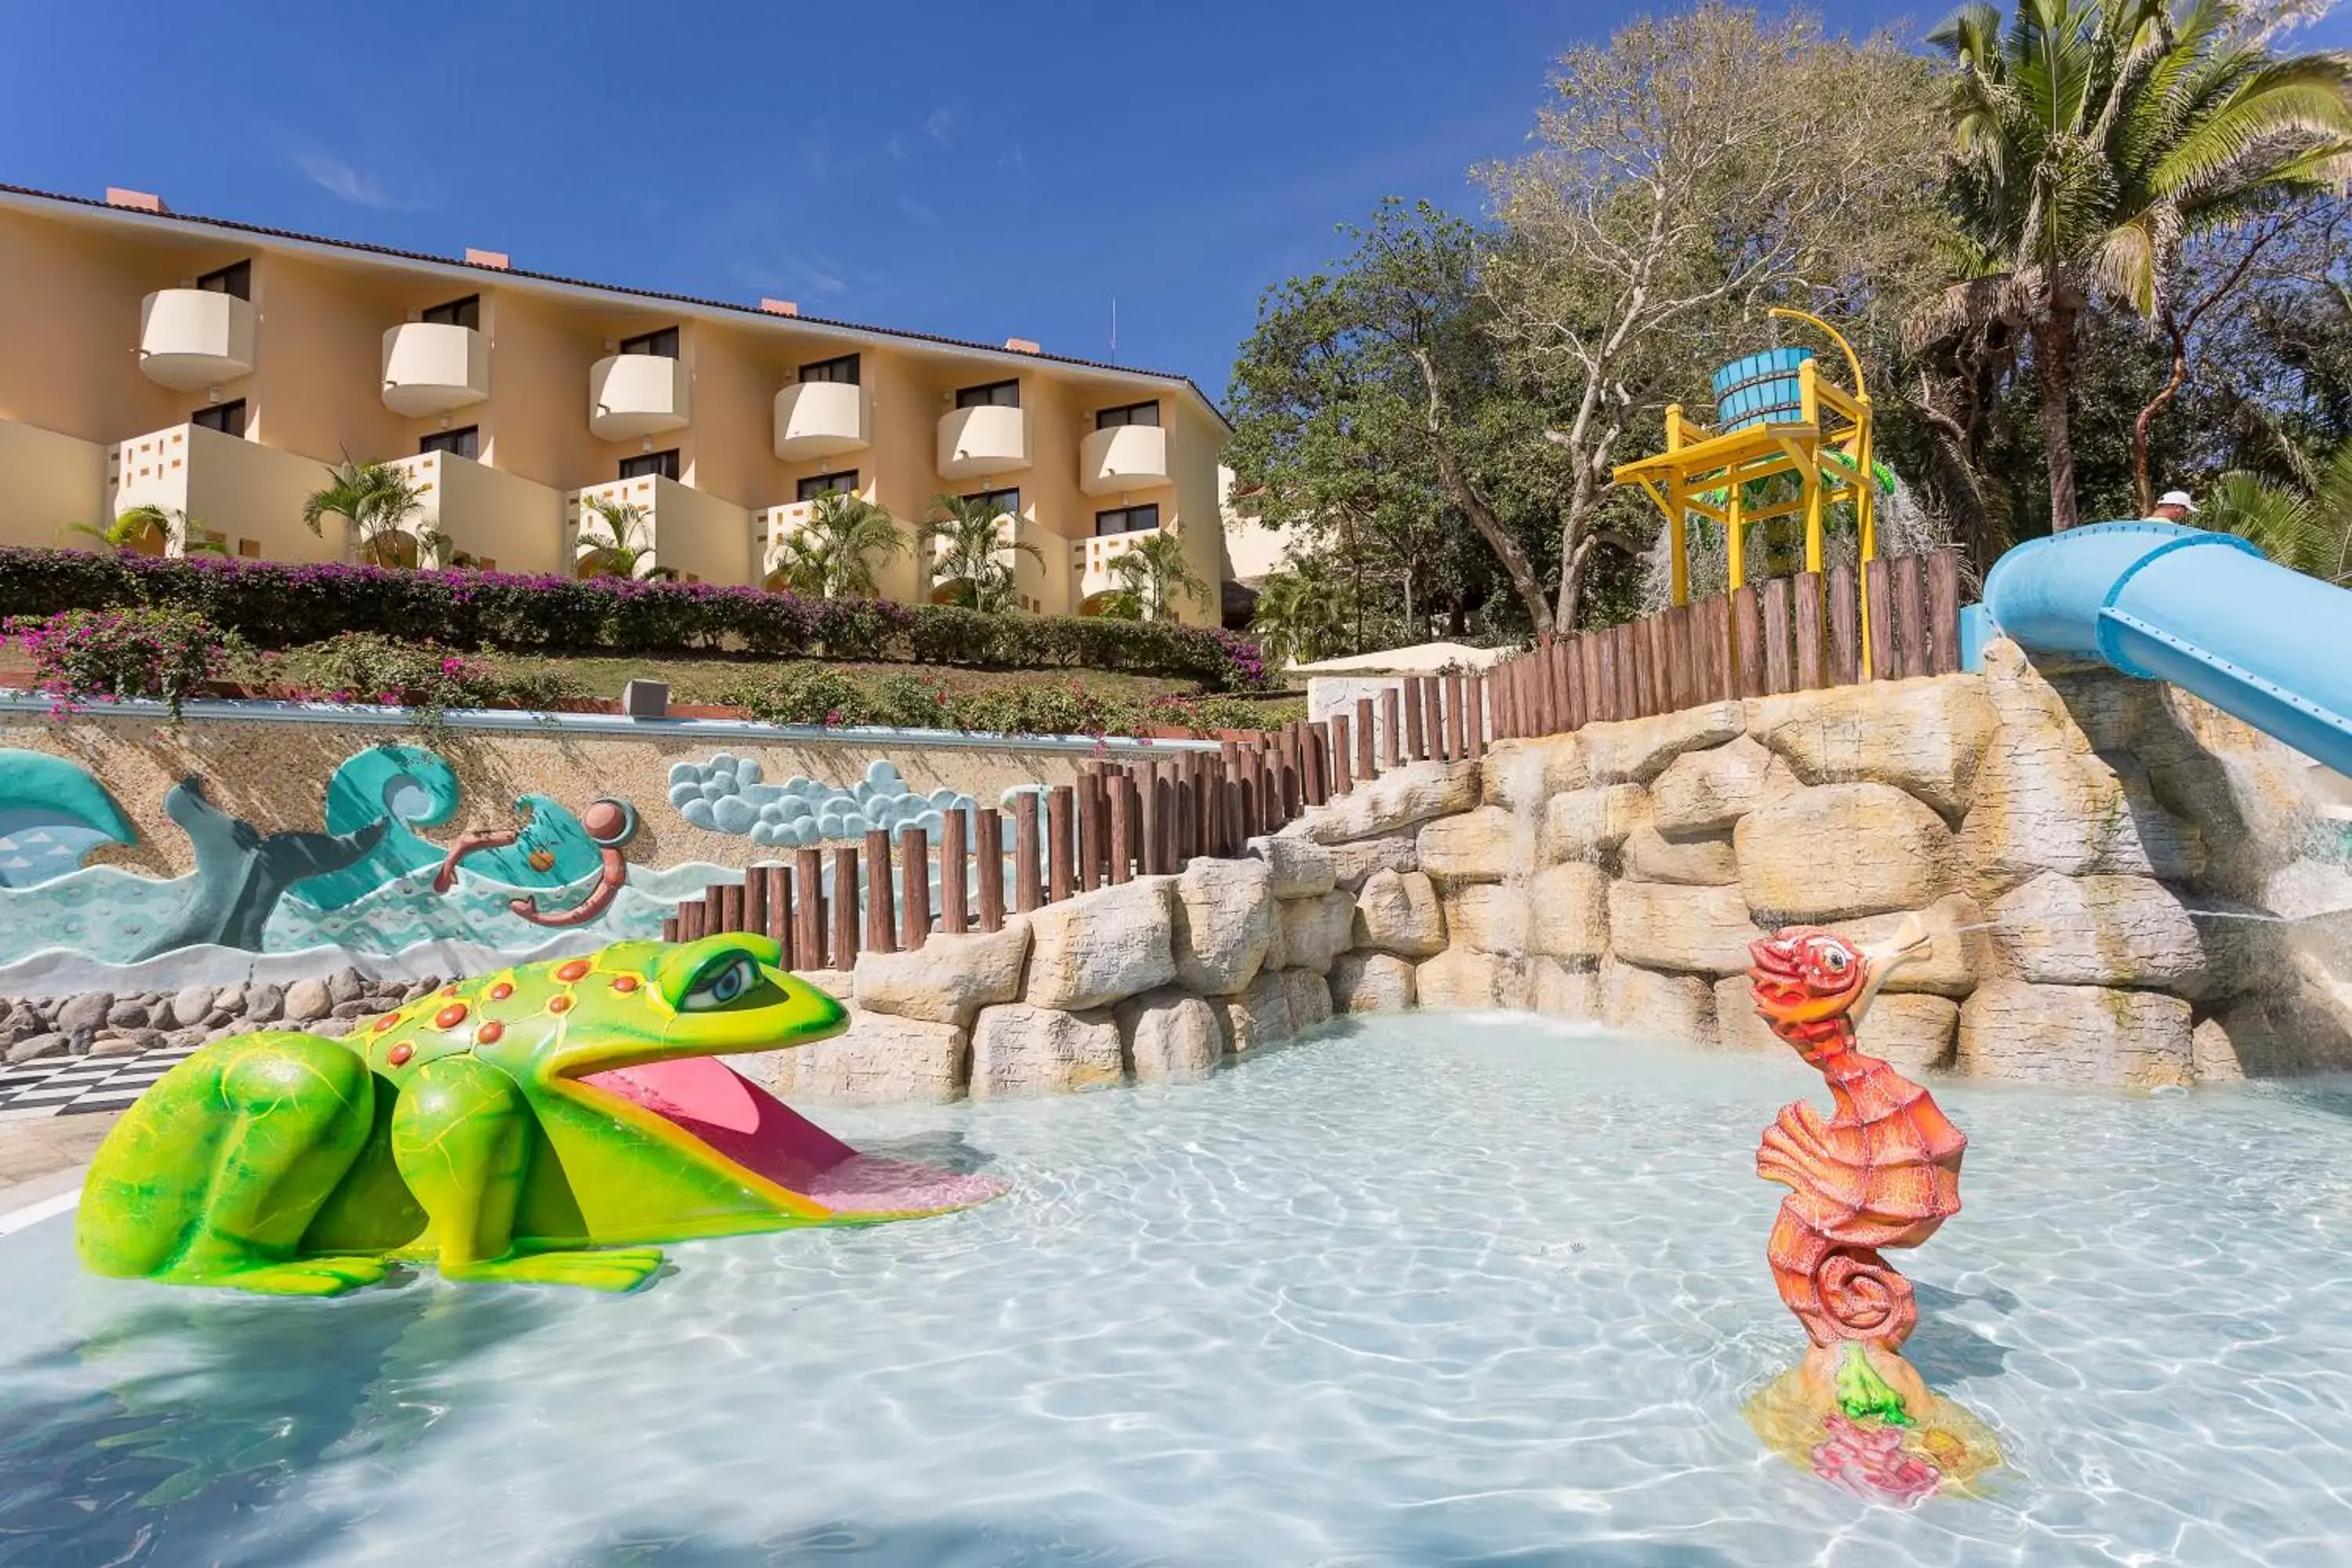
{"type": "Point", "coordinates": [939, 123]}
{"type": "Point", "coordinates": [897, 147]}
{"type": "Point", "coordinates": [1012, 158]}
{"type": "Point", "coordinates": [917, 211]}
{"type": "Point", "coordinates": [344, 183]}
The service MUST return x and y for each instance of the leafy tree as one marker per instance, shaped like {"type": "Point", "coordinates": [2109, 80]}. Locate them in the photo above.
{"type": "Point", "coordinates": [832, 555]}
{"type": "Point", "coordinates": [976, 547]}
{"type": "Point", "coordinates": [1153, 568]}
{"type": "Point", "coordinates": [2091, 138]}
{"type": "Point", "coordinates": [1302, 614]}
{"type": "Point", "coordinates": [2308, 529]}
{"type": "Point", "coordinates": [378, 500]}
{"type": "Point", "coordinates": [620, 539]}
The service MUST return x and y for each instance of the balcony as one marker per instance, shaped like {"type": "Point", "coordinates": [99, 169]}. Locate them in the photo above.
{"type": "Point", "coordinates": [190, 338]}
{"type": "Point", "coordinates": [675, 529]}
{"type": "Point", "coordinates": [989, 439]}
{"type": "Point", "coordinates": [821, 419]}
{"type": "Point", "coordinates": [1091, 559]}
{"type": "Point", "coordinates": [1008, 528]}
{"type": "Point", "coordinates": [483, 517]}
{"type": "Point", "coordinates": [430, 367]}
{"type": "Point", "coordinates": [1124, 457]}
{"type": "Point", "coordinates": [775, 525]}
{"type": "Point", "coordinates": [631, 396]}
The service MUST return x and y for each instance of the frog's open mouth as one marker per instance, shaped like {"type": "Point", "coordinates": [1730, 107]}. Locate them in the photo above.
{"type": "Point", "coordinates": [741, 1123]}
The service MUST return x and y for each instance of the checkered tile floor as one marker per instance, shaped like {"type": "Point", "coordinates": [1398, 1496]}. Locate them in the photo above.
{"type": "Point", "coordinates": [70, 1085]}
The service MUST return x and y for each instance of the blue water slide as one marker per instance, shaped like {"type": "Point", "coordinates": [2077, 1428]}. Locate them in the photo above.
{"type": "Point", "coordinates": [2207, 612]}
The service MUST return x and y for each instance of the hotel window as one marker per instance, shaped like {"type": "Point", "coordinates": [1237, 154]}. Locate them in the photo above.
{"type": "Point", "coordinates": [817, 485]}
{"type": "Point", "coordinates": [844, 370]}
{"type": "Point", "coordinates": [228, 418]}
{"type": "Point", "coordinates": [236, 279]}
{"type": "Point", "coordinates": [1125, 520]}
{"type": "Point", "coordinates": [995, 394]}
{"type": "Point", "coordinates": [1002, 500]}
{"type": "Point", "coordinates": [651, 466]}
{"type": "Point", "coordinates": [466, 313]}
{"type": "Point", "coordinates": [461, 443]}
{"type": "Point", "coordinates": [663, 344]}
{"type": "Point", "coordinates": [1131, 413]}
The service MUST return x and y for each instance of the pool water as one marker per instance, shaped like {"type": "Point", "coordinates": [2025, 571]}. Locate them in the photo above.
{"type": "Point", "coordinates": [1419, 1290]}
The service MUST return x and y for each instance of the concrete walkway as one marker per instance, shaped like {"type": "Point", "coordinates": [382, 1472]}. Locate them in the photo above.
{"type": "Point", "coordinates": [42, 1157]}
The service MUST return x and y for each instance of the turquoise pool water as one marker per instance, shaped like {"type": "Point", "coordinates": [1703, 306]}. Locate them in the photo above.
{"type": "Point", "coordinates": [1425, 1290]}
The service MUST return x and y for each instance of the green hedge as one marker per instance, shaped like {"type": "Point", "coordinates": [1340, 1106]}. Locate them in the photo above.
{"type": "Point", "coordinates": [274, 604]}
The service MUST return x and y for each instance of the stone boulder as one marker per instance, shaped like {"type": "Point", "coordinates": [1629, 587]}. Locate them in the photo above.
{"type": "Point", "coordinates": [1397, 912]}
{"type": "Point", "coordinates": [1410, 795]}
{"type": "Point", "coordinates": [1223, 921]}
{"type": "Point", "coordinates": [1302, 867]}
{"type": "Point", "coordinates": [1660, 925]}
{"type": "Point", "coordinates": [1556, 991]}
{"type": "Point", "coordinates": [1372, 983]}
{"type": "Point", "coordinates": [1913, 1031]}
{"type": "Point", "coordinates": [190, 1004]}
{"type": "Point", "coordinates": [1567, 911]}
{"type": "Point", "coordinates": [2042, 803]}
{"type": "Point", "coordinates": [1834, 851]}
{"type": "Point", "coordinates": [1706, 792]}
{"type": "Point", "coordinates": [1649, 856]}
{"type": "Point", "coordinates": [1459, 980]}
{"type": "Point", "coordinates": [1102, 946]}
{"type": "Point", "coordinates": [2212, 1057]}
{"type": "Point", "coordinates": [1310, 997]}
{"type": "Point", "coordinates": [949, 978]}
{"type": "Point", "coordinates": [1590, 822]}
{"type": "Point", "coordinates": [85, 1013]}
{"type": "Point", "coordinates": [1522, 774]}
{"type": "Point", "coordinates": [307, 1001]}
{"type": "Point", "coordinates": [1481, 846]}
{"type": "Point", "coordinates": [2098, 931]}
{"type": "Point", "coordinates": [1488, 917]}
{"type": "Point", "coordinates": [1924, 737]}
{"type": "Point", "coordinates": [2074, 1035]}
{"type": "Point", "coordinates": [1353, 865]}
{"type": "Point", "coordinates": [1644, 1002]}
{"type": "Point", "coordinates": [1638, 750]}
{"type": "Point", "coordinates": [1169, 1035]}
{"type": "Point", "coordinates": [879, 1060]}
{"type": "Point", "coordinates": [1315, 931]}
{"type": "Point", "coordinates": [1023, 1048]}
{"type": "Point", "coordinates": [1954, 958]}
{"type": "Point", "coordinates": [1258, 1017]}
{"type": "Point", "coordinates": [841, 984]}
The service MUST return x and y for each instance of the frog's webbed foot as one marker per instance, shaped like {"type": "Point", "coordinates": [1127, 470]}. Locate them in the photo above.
{"type": "Point", "coordinates": [298, 1276]}
{"type": "Point", "coordinates": [622, 1268]}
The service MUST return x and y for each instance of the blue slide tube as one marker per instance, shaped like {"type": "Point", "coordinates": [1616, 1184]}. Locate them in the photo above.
{"type": "Point", "coordinates": [2207, 612]}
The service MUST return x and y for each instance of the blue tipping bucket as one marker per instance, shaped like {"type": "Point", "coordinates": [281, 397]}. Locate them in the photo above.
{"type": "Point", "coordinates": [1760, 389]}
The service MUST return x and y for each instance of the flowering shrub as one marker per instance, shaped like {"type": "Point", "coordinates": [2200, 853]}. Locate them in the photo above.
{"type": "Point", "coordinates": [360, 667]}
{"type": "Point", "coordinates": [82, 654]}
{"type": "Point", "coordinates": [814, 694]}
{"type": "Point", "coordinates": [278, 604]}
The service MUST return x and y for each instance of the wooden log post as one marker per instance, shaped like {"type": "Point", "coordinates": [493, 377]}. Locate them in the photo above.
{"type": "Point", "coordinates": [1028, 888]}
{"type": "Point", "coordinates": [955, 871]}
{"type": "Point", "coordinates": [845, 909]}
{"type": "Point", "coordinates": [1944, 612]}
{"type": "Point", "coordinates": [755, 901]}
{"type": "Point", "coordinates": [1880, 619]}
{"type": "Point", "coordinates": [1343, 756]}
{"type": "Point", "coordinates": [808, 908]}
{"type": "Point", "coordinates": [989, 822]}
{"type": "Point", "coordinates": [881, 901]}
{"type": "Point", "coordinates": [1310, 764]}
{"type": "Point", "coordinates": [1122, 829]}
{"type": "Point", "coordinates": [1474, 715]}
{"type": "Point", "coordinates": [669, 928]}
{"type": "Point", "coordinates": [915, 878]}
{"type": "Point", "coordinates": [1366, 738]}
{"type": "Point", "coordinates": [1844, 627]}
{"type": "Point", "coordinates": [1775, 636]}
{"type": "Point", "coordinates": [1813, 654]}
{"type": "Point", "coordinates": [1643, 635]}
{"type": "Point", "coordinates": [1392, 731]}
{"type": "Point", "coordinates": [1911, 606]}
{"type": "Point", "coordinates": [1748, 640]}
{"type": "Point", "coordinates": [1416, 740]}
{"type": "Point", "coordinates": [729, 914]}
{"type": "Point", "coordinates": [1061, 805]}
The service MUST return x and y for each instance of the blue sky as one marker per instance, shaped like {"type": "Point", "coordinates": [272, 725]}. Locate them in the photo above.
{"type": "Point", "coordinates": [984, 170]}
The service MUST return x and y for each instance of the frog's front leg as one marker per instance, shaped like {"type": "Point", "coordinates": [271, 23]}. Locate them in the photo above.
{"type": "Point", "coordinates": [461, 1136]}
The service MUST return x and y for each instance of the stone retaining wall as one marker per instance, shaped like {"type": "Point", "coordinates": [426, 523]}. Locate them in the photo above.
{"type": "Point", "coordinates": [1618, 875]}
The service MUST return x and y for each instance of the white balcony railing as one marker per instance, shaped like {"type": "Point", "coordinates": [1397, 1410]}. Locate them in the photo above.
{"type": "Point", "coordinates": [640, 537]}
{"type": "Point", "coordinates": [637, 395]}
{"type": "Point", "coordinates": [195, 337]}
{"type": "Point", "coordinates": [1008, 530]}
{"type": "Point", "coordinates": [1124, 457]}
{"type": "Point", "coordinates": [432, 367]}
{"type": "Point", "coordinates": [1091, 559]}
{"type": "Point", "coordinates": [822, 420]}
{"type": "Point", "coordinates": [777, 524]}
{"type": "Point", "coordinates": [989, 439]}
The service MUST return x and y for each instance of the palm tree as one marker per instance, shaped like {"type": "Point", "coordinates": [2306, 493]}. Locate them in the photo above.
{"type": "Point", "coordinates": [976, 545]}
{"type": "Point", "coordinates": [830, 556]}
{"type": "Point", "coordinates": [627, 542]}
{"type": "Point", "coordinates": [2308, 529]}
{"type": "Point", "coordinates": [150, 529]}
{"type": "Point", "coordinates": [379, 501]}
{"type": "Point", "coordinates": [1150, 567]}
{"type": "Point", "coordinates": [2091, 138]}
{"type": "Point", "coordinates": [1302, 614]}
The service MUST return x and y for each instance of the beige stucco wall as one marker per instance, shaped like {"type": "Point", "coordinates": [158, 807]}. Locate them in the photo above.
{"type": "Point", "coordinates": [48, 482]}
{"type": "Point", "coordinates": [498, 518]}
{"type": "Point", "coordinates": [239, 489]}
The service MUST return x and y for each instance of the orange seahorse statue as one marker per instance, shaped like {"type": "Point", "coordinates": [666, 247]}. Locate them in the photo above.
{"type": "Point", "coordinates": [1881, 1171]}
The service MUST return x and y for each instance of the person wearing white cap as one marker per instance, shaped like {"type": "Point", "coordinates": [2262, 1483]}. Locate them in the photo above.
{"type": "Point", "coordinates": [2174, 506]}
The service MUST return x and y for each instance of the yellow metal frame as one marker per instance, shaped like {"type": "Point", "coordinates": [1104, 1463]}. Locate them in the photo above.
{"type": "Point", "coordinates": [1705, 474]}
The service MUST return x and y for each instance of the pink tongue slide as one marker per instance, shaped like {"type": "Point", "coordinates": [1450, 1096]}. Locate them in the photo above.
{"type": "Point", "coordinates": [743, 1122]}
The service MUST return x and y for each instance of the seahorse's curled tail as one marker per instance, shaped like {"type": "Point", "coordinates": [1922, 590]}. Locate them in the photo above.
{"type": "Point", "coordinates": [1837, 1290]}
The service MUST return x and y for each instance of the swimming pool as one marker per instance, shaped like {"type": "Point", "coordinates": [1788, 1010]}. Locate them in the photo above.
{"type": "Point", "coordinates": [1423, 1290]}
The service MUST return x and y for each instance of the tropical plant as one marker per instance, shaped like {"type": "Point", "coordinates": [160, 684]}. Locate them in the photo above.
{"type": "Point", "coordinates": [832, 555]}
{"type": "Point", "coordinates": [627, 542]}
{"type": "Point", "coordinates": [379, 501]}
{"type": "Point", "coordinates": [1152, 568]}
{"type": "Point", "coordinates": [976, 546]}
{"type": "Point", "coordinates": [1302, 614]}
{"type": "Point", "coordinates": [2090, 140]}
{"type": "Point", "coordinates": [152, 530]}
{"type": "Point", "coordinates": [2309, 529]}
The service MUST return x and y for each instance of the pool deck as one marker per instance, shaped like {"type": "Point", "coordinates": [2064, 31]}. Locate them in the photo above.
{"type": "Point", "coordinates": [43, 1158]}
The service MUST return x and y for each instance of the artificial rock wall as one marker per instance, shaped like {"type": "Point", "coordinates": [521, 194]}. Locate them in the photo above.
{"type": "Point", "coordinates": [2096, 831]}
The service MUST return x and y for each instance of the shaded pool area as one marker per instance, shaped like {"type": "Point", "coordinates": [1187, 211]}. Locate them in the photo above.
{"type": "Point", "coordinates": [1422, 1290]}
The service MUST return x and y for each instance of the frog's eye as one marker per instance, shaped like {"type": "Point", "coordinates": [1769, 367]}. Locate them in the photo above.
{"type": "Point", "coordinates": [1833, 959]}
{"type": "Point", "coordinates": [724, 983]}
